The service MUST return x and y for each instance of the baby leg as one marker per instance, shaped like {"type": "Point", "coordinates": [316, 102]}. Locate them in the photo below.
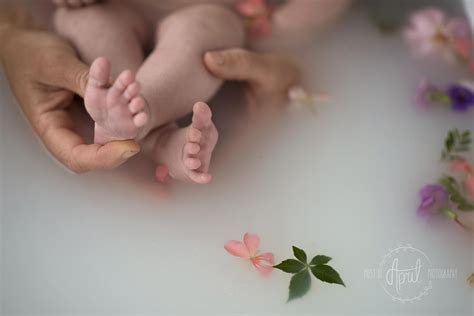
{"type": "Point", "coordinates": [174, 78]}
{"type": "Point", "coordinates": [114, 31]}
{"type": "Point", "coordinates": [106, 29]}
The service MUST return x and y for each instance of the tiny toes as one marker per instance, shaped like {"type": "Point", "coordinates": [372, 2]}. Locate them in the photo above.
{"type": "Point", "coordinates": [194, 135]}
{"type": "Point", "coordinates": [136, 105]}
{"type": "Point", "coordinates": [192, 148]}
{"type": "Point", "coordinates": [123, 81]}
{"type": "Point", "coordinates": [140, 119]}
{"type": "Point", "coordinates": [99, 73]}
{"type": "Point", "coordinates": [192, 163]}
{"type": "Point", "coordinates": [202, 115]}
{"type": "Point", "coordinates": [201, 178]}
{"type": "Point", "coordinates": [132, 91]}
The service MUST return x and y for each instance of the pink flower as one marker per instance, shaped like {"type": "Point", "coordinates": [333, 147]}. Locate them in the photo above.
{"type": "Point", "coordinates": [431, 33]}
{"type": "Point", "coordinates": [261, 26]}
{"type": "Point", "coordinates": [463, 47]}
{"type": "Point", "coordinates": [249, 250]}
{"type": "Point", "coordinates": [465, 166]}
{"type": "Point", "coordinates": [251, 8]}
{"type": "Point", "coordinates": [258, 15]}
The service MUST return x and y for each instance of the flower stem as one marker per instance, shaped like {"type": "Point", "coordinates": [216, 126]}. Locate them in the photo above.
{"type": "Point", "coordinates": [461, 224]}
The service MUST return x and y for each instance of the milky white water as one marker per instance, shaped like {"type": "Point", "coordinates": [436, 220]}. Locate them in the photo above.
{"type": "Point", "coordinates": [343, 183]}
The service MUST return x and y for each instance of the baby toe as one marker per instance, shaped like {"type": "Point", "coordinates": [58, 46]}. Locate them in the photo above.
{"type": "Point", "coordinates": [132, 90]}
{"type": "Point", "coordinates": [136, 105]}
{"type": "Point", "coordinates": [140, 119]}
{"type": "Point", "coordinates": [192, 148]}
{"type": "Point", "coordinates": [99, 73]}
{"type": "Point", "coordinates": [194, 135]}
{"type": "Point", "coordinates": [200, 178]}
{"type": "Point", "coordinates": [123, 81]}
{"type": "Point", "coordinates": [192, 163]}
{"type": "Point", "coordinates": [202, 115]}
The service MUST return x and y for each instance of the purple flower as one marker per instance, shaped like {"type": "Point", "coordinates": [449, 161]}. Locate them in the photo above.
{"type": "Point", "coordinates": [433, 198]}
{"type": "Point", "coordinates": [461, 98]}
{"type": "Point", "coordinates": [424, 91]}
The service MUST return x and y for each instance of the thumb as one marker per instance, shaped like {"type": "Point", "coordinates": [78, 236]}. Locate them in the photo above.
{"type": "Point", "coordinates": [236, 64]}
{"type": "Point", "coordinates": [67, 71]}
{"type": "Point", "coordinates": [102, 157]}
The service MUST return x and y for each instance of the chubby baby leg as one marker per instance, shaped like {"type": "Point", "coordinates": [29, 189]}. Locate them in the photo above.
{"type": "Point", "coordinates": [106, 29]}
{"type": "Point", "coordinates": [116, 32]}
{"type": "Point", "coordinates": [174, 78]}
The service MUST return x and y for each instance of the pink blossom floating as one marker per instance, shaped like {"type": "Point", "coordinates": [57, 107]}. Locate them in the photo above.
{"type": "Point", "coordinates": [258, 16]}
{"type": "Point", "coordinates": [432, 33]}
{"type": "Point", "coordinates": [465, 167]}
{"type": "Point", "coordinates": [248, 249]}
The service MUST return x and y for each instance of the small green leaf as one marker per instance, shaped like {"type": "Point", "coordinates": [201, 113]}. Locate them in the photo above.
{"type": "Point", "coordinates": [299, 285]}
{"type": "Point", "coordinates": [319, 259]}
{"type": "Point", "coordinates": [327, 274]}
{"type": "Point", "coordinates": [456, 142]}
{"type": "Point", "coordinates": [300, 254]}
{"type": "Point", "coordinates": [290, 266]}
{"type": "Point", "coordinates": [453, 188]}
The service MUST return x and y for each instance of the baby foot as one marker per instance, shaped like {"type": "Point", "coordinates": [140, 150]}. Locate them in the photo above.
{"type": "Point", "coordinates": [73, 3]}
{"type": "Point", "coordinates": [117, 110]}
{"type": "Point", "coordinates": [186, 152]}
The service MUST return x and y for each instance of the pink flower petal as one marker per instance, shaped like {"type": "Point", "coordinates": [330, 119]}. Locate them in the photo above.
{"type": "Point", "coordinates": [432, 15]}
{"type": "Point", "coordinates": [252, 241]}
{"type": "Point", "coordinates": [237, 248]}
{"type": "Point", "coordinates": [261, 26]}
{"type": "Point", "coordinates": [461, 166]}
{"type": "Point", "coordinates": [458, 27]}
{"type": "Point", "coordinates": [463, 47]}
{"type": "Point", "coordinates": [267, 256]}
{"type": "Point", "coordinates": [264, 263]}
{"type": "Point", "coordinates": [427, 21]}
{"type": "Point", "coordinates": [469, 184]}
{"type": "Point", "coordinates": [250, 8]}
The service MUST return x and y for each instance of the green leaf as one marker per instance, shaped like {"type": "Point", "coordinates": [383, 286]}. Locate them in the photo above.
{"type": "Point", "coordinates": [299, 285]}
{"type": "Point", "coordinates": [300, 254]}
{"type": "Point", "coordinates": [452, 187]}
{"type": "Point", "coordinates": [319, 259]}
{"type": "Point", "coordinates": [455, 143]}
{"type": "Point", "coordinates": [327, 274]}
{"type": "Point", "coordinates": [290, 266]}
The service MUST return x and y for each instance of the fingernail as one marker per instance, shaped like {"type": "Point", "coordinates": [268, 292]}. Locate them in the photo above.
{"type": "Point", "coordinates": [129, 154]}
{"type": "Point", "coordinates": [218, 58]}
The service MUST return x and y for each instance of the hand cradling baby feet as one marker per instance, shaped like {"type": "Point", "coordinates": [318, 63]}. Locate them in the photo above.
{"type": "Point", "coordinates": [132, 95]}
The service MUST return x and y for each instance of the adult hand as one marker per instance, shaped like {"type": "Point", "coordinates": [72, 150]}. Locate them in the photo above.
{"type": "Point", "coordinates": [44, 72]}
{"type": "Point", "coordinates": [266, 77]}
